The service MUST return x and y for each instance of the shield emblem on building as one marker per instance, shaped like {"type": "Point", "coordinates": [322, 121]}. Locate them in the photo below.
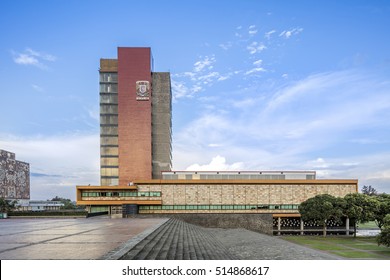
{"type": "Point", "coordinates": [142, 89]}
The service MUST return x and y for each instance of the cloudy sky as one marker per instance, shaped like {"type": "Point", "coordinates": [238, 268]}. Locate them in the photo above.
{"type": "Point", "coordinates": [257, 85]}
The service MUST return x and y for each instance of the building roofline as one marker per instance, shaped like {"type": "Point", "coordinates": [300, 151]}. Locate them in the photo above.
{"type": "Point", "coordinates": [245, 182]}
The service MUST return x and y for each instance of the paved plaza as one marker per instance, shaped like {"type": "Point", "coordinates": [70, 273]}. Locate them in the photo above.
{"type": "Point", "coordinates": [139, 238]}
{"type": "Point", "coordinates": [68, 239]}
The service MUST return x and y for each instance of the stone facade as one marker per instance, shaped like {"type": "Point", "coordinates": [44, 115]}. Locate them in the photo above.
{"type": "Point", "coordinates": [14, 177]}
{"type": "Point", "coordinates": [253, 195]}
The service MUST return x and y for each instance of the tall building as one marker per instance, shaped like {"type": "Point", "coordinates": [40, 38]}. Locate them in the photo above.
{"type": "Point", "coordinates": [135, 118]}
{"type": "Point", "coordinates": [14, 177]}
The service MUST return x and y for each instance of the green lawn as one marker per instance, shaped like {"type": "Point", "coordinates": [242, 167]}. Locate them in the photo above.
{"type": "Point", "coordinates": [345, 246]}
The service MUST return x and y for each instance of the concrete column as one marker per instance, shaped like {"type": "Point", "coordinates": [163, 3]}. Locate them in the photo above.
{"type": "Point", "coordinates": [302, 226]}
{"type": "Point", "coordinates": [347, 226]}
{"type": "Point", "coordinates": [279, 224]}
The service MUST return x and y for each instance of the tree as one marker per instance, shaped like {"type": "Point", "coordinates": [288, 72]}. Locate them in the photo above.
{"type": "Point", "coordinates": [321, 208]}
{"type": "Point", "coordinates": [360, 207]}
{"type": "Point", "coordinates": [68, 204]}
{"type": "Point", "coordinates": [368, 190]}
{"type": "Point", "coordinates": [382, 210]}
{"type": "Point", "coordinates": [7, 205]}
{"type": "Point", "coordinates": [384, 235]}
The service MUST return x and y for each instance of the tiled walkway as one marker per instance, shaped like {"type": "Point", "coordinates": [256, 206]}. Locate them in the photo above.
{"type": "Point", "coordinates": [66, 239]}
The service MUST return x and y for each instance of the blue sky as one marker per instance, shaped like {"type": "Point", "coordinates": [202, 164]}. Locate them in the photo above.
{"type": "Point", "coordinates": [257, 85]}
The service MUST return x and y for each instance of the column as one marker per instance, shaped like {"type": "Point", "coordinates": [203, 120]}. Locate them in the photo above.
{"type": "Point", "coordinates": [279, 224]}
{"type": "Point", "coordinates": [347, 226]}
{"type": "Point", "coordinates": [302, 226]}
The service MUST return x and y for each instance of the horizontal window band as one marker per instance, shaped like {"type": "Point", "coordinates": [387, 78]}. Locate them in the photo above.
{"type": "Point", "coordinates": [108, 114]}
{"type": "Point", "coordinates": [119, 193]}
{"type": "Point", "coordinates": [109, 177]}
{"type": "Point", "coordinates": [109, 166]}
{"type": "Point", "coordinates": [108, 135]}
{"type": "Point", "coordinates": [221, 207]}
{"type": "Point", "coordinates": [109, 146]}
{"type": "Point", "coordinates": [108, 103]}
{"type": "Point", "coordinates": [105, 125]}
{"type": "Point", "coordinates": [109, 156]}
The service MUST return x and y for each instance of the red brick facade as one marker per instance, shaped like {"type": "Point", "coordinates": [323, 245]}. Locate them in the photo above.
{"type": "Point", "coordinates": [134, 116]}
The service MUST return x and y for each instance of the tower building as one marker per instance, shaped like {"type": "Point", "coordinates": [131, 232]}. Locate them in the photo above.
{"type": "Point", "coordinates": [135, 118]}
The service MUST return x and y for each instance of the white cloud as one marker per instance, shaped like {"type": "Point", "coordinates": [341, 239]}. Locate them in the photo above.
{"type": "Point", "coordinates": [252, 30]}
{"type": "Point", "coordinates": [59, 162]}
{"type": "Point", "coordinates": [258, 62]}
{"type": "Point", "coordinates": [26, 59]}
{"type": "Point", "coordinates": [255, 70]}
{"type": "Point", "coordinates": [37, 88]}
{"type": "Point", "coordinates": [44, 56]}
{"type": "Point", "coordinates": [288, 33]}
{"type": "Point", "coordinates": [218, 163]}
{"type": "Point", "coordinates": [200, 76]}
{"type": "Point", "coordinates": [226, 46]}
{"type": "Point", "coordinates": [179, 89]}
{"type": "Point", "coordinates": [256, 47]}
{"type": "Point", "coordinates": [34, 58]}
{"type": "Point", "coordinates": [268, 34]}
{"type": "Point", "coordinates": [204, 63]}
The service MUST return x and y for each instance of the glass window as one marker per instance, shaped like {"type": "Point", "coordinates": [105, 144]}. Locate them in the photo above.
{"type": "Point", "coordinates": [108, 98]}
{"type": "Point", "coordinates": [109, 130]}
{"type": "Point", "coordinates": [107, 161]}
{"type": "Point", "coordinates": [110, 119]}
{"type": "Point", "coordinates": [109, 88]}
{"type": "Point", "coordinates": [108, 77]}
{"type": "Point", "coordinates": [109, 171]}
{"type": "Point", "coordinates": [109, 140]}
{"type": "Point", "coordinates": [108, 109]}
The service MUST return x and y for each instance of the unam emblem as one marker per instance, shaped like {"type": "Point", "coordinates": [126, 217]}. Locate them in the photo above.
{"type": "Point", "coordinates": [142, 88]}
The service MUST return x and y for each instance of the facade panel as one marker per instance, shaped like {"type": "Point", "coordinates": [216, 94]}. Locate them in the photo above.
{"type": "Point", "coordinates": [134, 116]}
{"type": "Point", "coordinates": [161, 123]}
{"type": "Point", "coordinates": [14, 177]}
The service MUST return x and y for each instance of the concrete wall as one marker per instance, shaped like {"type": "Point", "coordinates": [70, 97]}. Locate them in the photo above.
{"type": "Point", "coordinates": [161, 123]}
{"type": "Point", "coordinates": [14, 177]}
{"type": "Point", "coordinates": [256, 222]}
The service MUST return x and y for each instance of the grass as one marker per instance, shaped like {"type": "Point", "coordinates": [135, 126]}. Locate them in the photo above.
{"type": "Point", "coordinates": [344, 246]}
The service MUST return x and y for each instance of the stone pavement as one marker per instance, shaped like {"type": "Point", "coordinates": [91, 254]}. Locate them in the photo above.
{"type": "Point", "coordinates": [68, 239]}
{"type": "Point", "coordinates": [182, 241]}
{"type": "Point", "coordinates": [177, 240]}
{"type": "Point", "coordinates": [140, 238]}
